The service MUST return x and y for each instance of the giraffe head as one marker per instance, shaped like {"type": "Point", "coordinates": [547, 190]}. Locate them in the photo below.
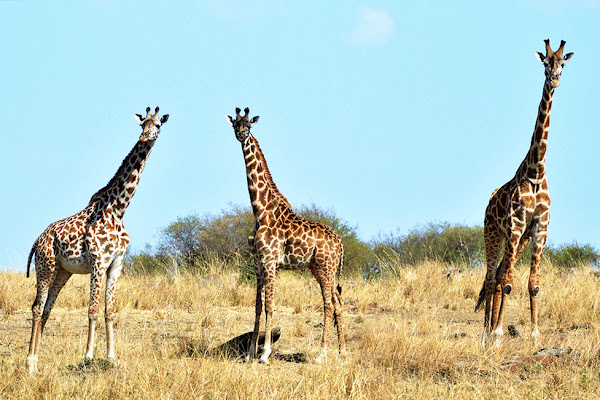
{"type": "Point", "coordinates": [241, 125]}
{"type": "Point", "coordinates": [150, 124]}
{"type": "Point", "coordinates": [553, 61]}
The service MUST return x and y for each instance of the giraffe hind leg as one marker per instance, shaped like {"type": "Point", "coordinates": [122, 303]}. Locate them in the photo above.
{"type": "Point", "coordinates": [493, 241]}
{"type": "Point", "coordinates": [45, 272]}
{"type": "Point", "coordinates": [337, 318]}
{"type": "Point", "coordinates": [512, 246]}
{"type": "Point", "coordinates": [61, 278]}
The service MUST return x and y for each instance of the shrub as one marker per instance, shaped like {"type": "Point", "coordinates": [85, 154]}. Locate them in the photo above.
{"type": "Point", "coordinates": [572, 255]}
{"type": "Point", "coordinates": [443, 242]}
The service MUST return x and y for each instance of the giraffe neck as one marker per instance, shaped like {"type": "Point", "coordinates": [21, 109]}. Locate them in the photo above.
{"type": "Point", "coordinates": [121, 188]}
{"type": "Point", "coordinates": [533, 167]}
{"type": "Point", "coordinates": [264, 195]}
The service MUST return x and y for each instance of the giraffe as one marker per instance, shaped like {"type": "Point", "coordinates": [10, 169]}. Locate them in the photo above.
{"type": "Point", "coordinates": [283, 240]}
{"type": "Point", "coordinates": [93, 241]}
{"type": "Point", "coordinates": [518, 212]}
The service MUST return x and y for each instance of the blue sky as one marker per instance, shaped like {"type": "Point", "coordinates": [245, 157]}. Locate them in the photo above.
{"type": "Point", "coordinates": [391, 113]}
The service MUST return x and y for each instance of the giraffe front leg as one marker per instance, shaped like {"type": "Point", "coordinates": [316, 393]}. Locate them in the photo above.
{"type": "Point", "coordinates": [97, 277]}
{"type": "Point", "coordinates": [260, 292]}
{"type": "Point", "coordinates": [269, 302]}
{"type": "Point", "coordinates": [112, 280]}
{"type": "Point", "coordinates": [534, 280]}
{"type": "Point", "coordinates": [505, 282]}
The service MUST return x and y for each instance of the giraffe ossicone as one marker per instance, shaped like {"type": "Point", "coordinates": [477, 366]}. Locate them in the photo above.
{"type": "Point", "coordinates": [283, 240]}
{"type": "Point", "coordinates": [519, 213]}
{"type": "Point", "coordinates": [93, 241]}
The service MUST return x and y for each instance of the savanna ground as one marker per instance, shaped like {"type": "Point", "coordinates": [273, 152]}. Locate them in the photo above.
{"type": "Point", "coordinates": [411, 335]}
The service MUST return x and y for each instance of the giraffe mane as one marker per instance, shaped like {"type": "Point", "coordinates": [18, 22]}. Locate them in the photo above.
{"type": "Point", "coordinates": [269, 177]}
{"type": "Point", "coordinates": [115, 178]}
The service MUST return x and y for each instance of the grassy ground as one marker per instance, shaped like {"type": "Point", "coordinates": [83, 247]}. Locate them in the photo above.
{"type": "Point", "coordinates": [413, 336]}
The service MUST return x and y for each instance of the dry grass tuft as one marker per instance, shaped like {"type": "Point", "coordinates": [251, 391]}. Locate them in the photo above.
{"type": "Point", "coordinates": [411, 335]}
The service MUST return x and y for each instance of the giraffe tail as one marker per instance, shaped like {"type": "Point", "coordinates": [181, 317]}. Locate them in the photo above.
{"type": "Point", "coordinates": [481, 298]}
{"type": "Point", "coordinates": [338, 293]}
{"type": "Point", "coordinates": [339, 273]}
{"type": "Point", "coordinates": [500, 270]}
{"type": "Point", "coordinates": [31, 253]}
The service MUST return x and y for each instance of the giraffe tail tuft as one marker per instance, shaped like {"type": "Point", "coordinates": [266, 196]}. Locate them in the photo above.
{"type": "Point", "coordinates": [481, 297]}
{"type": "Point", "coordinates": [31, 253]}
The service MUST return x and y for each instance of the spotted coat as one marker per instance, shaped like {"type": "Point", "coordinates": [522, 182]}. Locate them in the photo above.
{"type": "Point", "coordinates": [519, 212]}
{"type": "Point", "coordinates": [283, 240]}
{"type": "Point", "coordinates": [93, 241]}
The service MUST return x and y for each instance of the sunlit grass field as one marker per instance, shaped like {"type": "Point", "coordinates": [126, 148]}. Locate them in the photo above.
{"type": "Point", "coordinates": [412, 334]}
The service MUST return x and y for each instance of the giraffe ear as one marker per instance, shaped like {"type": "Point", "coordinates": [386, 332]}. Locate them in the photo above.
{"type": "Point", "coordinates": [567, 57]}
{"type": "Point", "coordinates": [229, 119]}
{"type": "Point", "coordinates": [164, 119]}
{"type": "Point", "coordinates": [254, 120]}
{"type": "Point", "coordinates": [138, 118]}
{"type": "Point", "coordinates": [540, 56]}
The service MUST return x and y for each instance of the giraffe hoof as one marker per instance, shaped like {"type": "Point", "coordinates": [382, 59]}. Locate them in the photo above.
{"type": "Point", "coordinates": [32, 365]}
{"type": "Point", "coordinates": [263, 361]}
{"type": "Point", "coordinates": [322, 357]}
{"type": "Point", "coordinates": [507, 289]}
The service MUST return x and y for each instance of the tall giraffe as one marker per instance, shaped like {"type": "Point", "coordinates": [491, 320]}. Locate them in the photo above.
{"type": "Point", "coordinates": [93, 241]}
{"type": "Point", "coordinates": [283, 240]}
{"type": "Point", "coordinates": [518, 212]}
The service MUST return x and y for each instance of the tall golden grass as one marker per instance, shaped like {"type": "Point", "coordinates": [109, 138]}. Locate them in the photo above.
{"type": "Point", "coordinates": [412, 334]}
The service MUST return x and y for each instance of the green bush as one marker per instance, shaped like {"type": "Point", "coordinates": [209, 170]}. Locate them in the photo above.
{"type": "Point", "coordinates": [572, 255]}
{"type": "Point", "coordinates": [443, 242]}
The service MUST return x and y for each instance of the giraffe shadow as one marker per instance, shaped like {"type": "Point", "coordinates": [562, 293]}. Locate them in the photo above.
{"type": "Point", "coordinates": [238, 347]}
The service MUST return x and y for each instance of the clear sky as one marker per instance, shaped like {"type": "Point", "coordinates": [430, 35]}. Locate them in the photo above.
{"type": "Point", "coordinates": [391, 113]}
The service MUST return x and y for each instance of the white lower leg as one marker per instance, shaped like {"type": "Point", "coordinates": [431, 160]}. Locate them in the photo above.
{"type": "Point", "coordinates": [31, 364]}
{"type": "Point", "coordinates": [264, 358]}
{"type": "Point", "coordinates": [322, 355]}
{"type": "Point", "coordinates": [110, 343]}
{"type": "Point", "coordinates": [251, 352]}
{"type": "Point", "coordinates": [91, 331]}
{"type": "Point", "coordinates": [535, 333]}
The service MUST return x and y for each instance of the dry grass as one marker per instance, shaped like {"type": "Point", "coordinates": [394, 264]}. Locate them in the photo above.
{"type": "Point", "coordinates": [412, 336]}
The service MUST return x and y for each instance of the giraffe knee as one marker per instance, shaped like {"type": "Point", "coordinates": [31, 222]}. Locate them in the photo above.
{"type": "Point", "coordinates": [535, 291]}
{"type": "Point", "coordinates": [507, 289]}
{"type": "Point", "coordinates": [36, 310]}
